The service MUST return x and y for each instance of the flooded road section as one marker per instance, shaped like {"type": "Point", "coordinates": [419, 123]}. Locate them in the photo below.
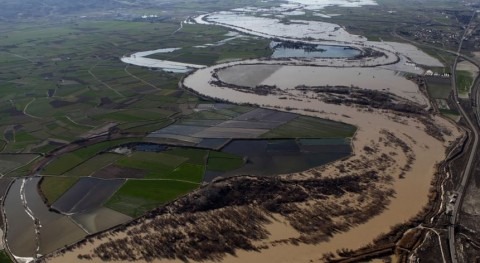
{"type": "Point", "coordinates": [36, 229]}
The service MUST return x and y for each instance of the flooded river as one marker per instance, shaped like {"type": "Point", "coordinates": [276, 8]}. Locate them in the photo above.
{"type": "Point", "coordinates": [408, 200]}
{"type": "Point", "coordinates": [32, 228]}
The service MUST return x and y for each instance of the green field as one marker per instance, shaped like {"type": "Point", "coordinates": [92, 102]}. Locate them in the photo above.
{"type": "Point", "coordinates": [222, 162]}
{"type": "Point", "coordinates": [157, 164]}
{"type": "Point", "coordinates": [93, 164]}
{"type": "Point", "coordinates": [4, 258]}
{"type": "Point", "coordinates": [464, 81]}
{"type": "Point", "coordinates": [240, 48]}
{"type": "Point", "coordinates": [168, 174]}
{"type": "Point", "coordinates": [187, 172]}
{"type": "Point", "coordinates": [54, 187]}
{"type": "Point", "coordinates": [194, 156]}
{"type": "Point", "coordinates": [439, 88]}
{"type": "Point", "coordinates": [70, 160]}
{"type": "Point", "coordinates": [136, 197]}
{"type": "Point", "coordinates": [309, 127]}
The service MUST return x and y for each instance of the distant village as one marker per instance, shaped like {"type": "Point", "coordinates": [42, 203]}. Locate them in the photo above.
{"type": "Point", "coordinates": [436, 74]}
{"type": "Point", "coordinates": [429, 72]}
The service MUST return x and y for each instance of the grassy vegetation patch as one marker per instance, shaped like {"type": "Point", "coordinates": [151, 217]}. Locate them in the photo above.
{"type": "Point", "coordinates": [309, 127]}
{"type": "Point", "coordinates": [240, 48]}
{"type": "Point", "coordinates": [178, 163]}
{"type": "Point", "coordinates": [439, 88]}
{"type": "Point", "coordinates": [4, 258]}
{"type": "Point", "coordinates": [188, 172]}
{"type": "Point", "coordinates": [93, 164]}
{"type": "Point", "coordinates": [209, 115]}
{"type": "Point", "coordinates": [68, 161]}
{"type": "Point", "coordinates": [145, 126]}
{"type": "Point", "coordinates": [10, 162]}
{"type": "Point", "coordinates": [54, 187]}
{"type": "Point", "coordinates": [464, 81]}
{"type": "Point", "coordinates": [23, 136]}
{"type": "Point", "coordinates": [222, 162]}
{"type": "Point", "coordinates": [62, 164]}
{"type": "Point", "coordinates": [136, 197]}
{"type": "Point", "coordinates": [195, 156]}
{"type": "Point", "coordinates": [156, 164]}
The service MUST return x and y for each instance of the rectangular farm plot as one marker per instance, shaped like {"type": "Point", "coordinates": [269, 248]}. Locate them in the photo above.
{"type": "Point", "coordinates": [155, 165]}
{"type": "Point", "coordinates": [87, 194]}
{"type": "Point", "coordinates": [202, 123]}
{"type": "Point", "coordinates": [177, 163]}
{"type": "Point", "coordinates": [54, 187]}
{"type": "Point", "coordinates": [251, 124]}
{"type": "Point", "coordinates": [208, 115]}
{"type": "Point", "coordinates": [273, 157]}
{"type": "Point", "coordinates": [9, 162]}
{"type": "Point", "coordinates": [213, 143]}
{"type": "Point", "coordinates": [222, 162]}
{"type": "Point", "coordinates": [309, 127]}
{"type": "Point", "coordinates": [188, 172]}
{"type": "Point", "coordinates": [116, 172]}
{"type": "Point", "coordinates": [266, 115]}
{"type": "Point", "coordinates": [70, 160]}
{"type": "Point", "coordinates": [438, 88]}
{"type": "Point", "coordinates": [194, 156]}
{"type": "Point", "coordinates": [91, 165]}
{"type": "Point", "coordinates": [183, 138]}
{"type": "Point", "coordinates": [62, 164]}
{"type": "Point", "coordinates": [222, 132]}
{"type": "Point", "coordinates": [136, 197]}
{"type": "Point", "coordinates": [163, 158]}
{"type": "Point", "coordinates": [186, 130]}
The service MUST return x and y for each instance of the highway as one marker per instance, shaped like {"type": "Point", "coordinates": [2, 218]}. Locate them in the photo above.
{"type": "Point", "coordinates": [468, 168]}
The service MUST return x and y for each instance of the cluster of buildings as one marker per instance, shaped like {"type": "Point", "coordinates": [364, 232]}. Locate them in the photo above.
{"type": "Point", "coordinates": [149, 16]}
{"type": "Point", "coordinates": [435, 36]}
{"type": "Point", "coordinates": [436, 74]}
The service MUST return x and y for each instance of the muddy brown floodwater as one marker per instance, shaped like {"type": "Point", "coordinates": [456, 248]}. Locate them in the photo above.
{"type": "Point", "coordinates": [411, 192]}
{"type": "Point", "coordinates": [287, 77]}
{"type": "Point", "coordinates": [24, 206]}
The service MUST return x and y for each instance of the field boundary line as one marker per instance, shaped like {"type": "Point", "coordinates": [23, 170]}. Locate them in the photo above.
{"type": "Point", "coordinates": [26, 107]}
{"type": "Point", "coordinates": [103, 83]}
{"type": "Point", "coordinates": [135, 77]}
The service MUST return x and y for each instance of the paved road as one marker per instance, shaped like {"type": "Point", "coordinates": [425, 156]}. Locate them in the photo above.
{"type": "Point", "coordinates": [468, 169]}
